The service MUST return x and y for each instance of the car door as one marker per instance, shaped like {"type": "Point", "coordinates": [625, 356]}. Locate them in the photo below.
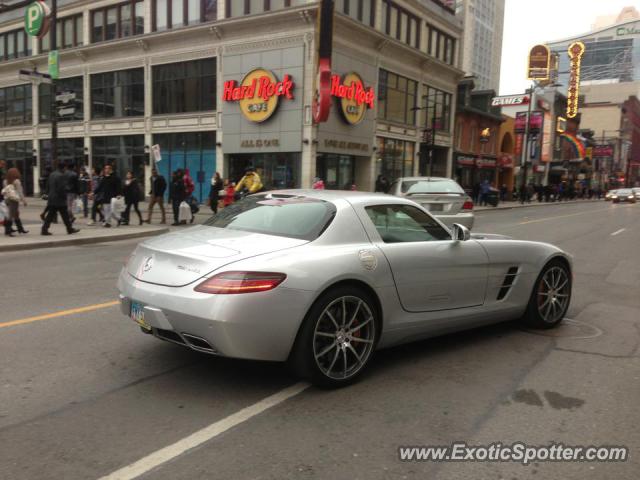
{"type": "Point", "coordinates": [431, 271]}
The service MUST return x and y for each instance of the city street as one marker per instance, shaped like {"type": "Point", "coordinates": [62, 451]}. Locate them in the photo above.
{"type": "Point", "coordinates": [84, 394]}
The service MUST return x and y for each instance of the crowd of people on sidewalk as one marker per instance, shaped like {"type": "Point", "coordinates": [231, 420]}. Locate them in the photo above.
{"type": "Point", "coordinates": [102, 196]}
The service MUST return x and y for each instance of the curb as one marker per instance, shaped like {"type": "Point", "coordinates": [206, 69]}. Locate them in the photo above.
{"type": "Point", "coordinates": [532, 205]}
{"type": "Point", "coordinates": [81, 241]}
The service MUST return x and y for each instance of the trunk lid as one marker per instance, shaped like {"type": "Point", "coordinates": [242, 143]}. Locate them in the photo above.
{"type": "Point", "coordinates": [180, 258]}
{"type": "Point", "coordinates": [440, 203]}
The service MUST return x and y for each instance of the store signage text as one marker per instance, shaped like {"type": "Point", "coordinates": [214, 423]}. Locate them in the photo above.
{"type": "Point", "coordinates": [354, 97]}
{"type": "Point", "coordinates": [576, 50]}
{"type": "Point", "coordinates": [258, 94]}
{"type": "Point", "coordinates": [260, 143]}
{"type": "Point", "coordinates": [510, 100]}
{"type": "Point", "coordinates": [622, 31]}
{"type": "Point", "coordinates": [539, 65]}
{"type": "Point", "coordinates": [344, 145]}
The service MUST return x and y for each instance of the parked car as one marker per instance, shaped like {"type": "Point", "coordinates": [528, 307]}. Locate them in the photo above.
{"type": "Point", "coordinates": [624, 195]}
{"type": "Point", "coordinates": [609, 195]}
{"type": "Point", "coordinates": [322, 279]}
{"type": "Point", "coordinates": [444, 198]}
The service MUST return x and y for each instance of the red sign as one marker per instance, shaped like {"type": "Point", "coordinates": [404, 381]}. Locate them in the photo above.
{"type": "Point", "coordinates": [602, 151]}
{"type": "Point", "coordinates": [468, 161]}
{"type": "Point", "coordinates": [519, 142]}
{"type": "Point", "coordinates": [355, 92]}
{"type": "Point", "coordinates": [486, 163]}
{"type": "Point", "coordinates": [263, 87]}
{"type": "Point", "coordinates": [506, 161]}
{"type": "Point", "coordinates": [520, 124]}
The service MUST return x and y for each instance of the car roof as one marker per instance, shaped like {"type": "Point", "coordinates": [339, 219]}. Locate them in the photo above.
{"type": "Point", "coordinates": [425, 179]}
{"type": "Point", "coordinates": [335, 195]}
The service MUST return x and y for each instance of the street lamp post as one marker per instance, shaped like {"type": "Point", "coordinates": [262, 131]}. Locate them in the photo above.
{"type": "Point", "coordinates": [432, 133]}
{"type": "Point", "coordinates": [53, 31]}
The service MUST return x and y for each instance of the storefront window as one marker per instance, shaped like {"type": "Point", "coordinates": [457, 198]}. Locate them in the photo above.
{"type": "Point", "coordinates": [337, 171]}
{"type": "Point", "coordinates": [194, 151]}
{"type": "Point", "coordinates": [15, 106]}
{"type": "Point", "coordinates": [396, 158]}
{"type": "Point", "coordinates": [71, 111]}
{"type": "Point", "coordinates": [20, 155]}
{"type": "Point", "coordinates": [396, 98]}
{"type": "Point", "coordinates": [436, 108]}
{"type": "Point", "coordinates": [276, 170]}
{"type": "Point", "coordinates": [122, 153]}
{"type": "Point", "coordinates": [117, 94]}
{"type": "Point", "coordinates": [70, 152]}
{"type": "Point", "coordinates": [184, 87]}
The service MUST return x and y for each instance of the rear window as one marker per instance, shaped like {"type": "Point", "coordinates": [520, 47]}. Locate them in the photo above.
{"type": "Point", "coordinates": [413, 187]}
{"type": "Point", "coordinates": [282, 215]}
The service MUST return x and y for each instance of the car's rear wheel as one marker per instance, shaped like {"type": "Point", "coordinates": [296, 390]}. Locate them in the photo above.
{"type": "Point", "coordinates": [551, 296]}
{"type": "Point", "coordinates": [337, 339]}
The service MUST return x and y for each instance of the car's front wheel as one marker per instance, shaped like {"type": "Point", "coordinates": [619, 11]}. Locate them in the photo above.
{"type": "Point", "coordinates": [551, 296]}
{"type": "Point", "coordinates": [337, 339]}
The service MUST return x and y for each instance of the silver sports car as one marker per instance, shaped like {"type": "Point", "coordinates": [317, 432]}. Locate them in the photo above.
{"type": "Point", "coordinates": [322, 279]}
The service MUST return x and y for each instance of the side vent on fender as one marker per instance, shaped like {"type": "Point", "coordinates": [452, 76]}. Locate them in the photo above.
{"type": "Point", "coordinates": [509, 278]}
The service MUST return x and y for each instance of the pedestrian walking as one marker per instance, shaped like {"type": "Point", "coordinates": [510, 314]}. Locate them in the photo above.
{"type": "Point", "coordinates": [156, 193]}
{"type": "Point", "coordinates": [96, 206]}
{"type": "Point", "coordinates": [382, 184]}
{"type": "Point", "coordinates": [109, 188]}
{"type": "Point", "coordinates": [485, 188]}
{"type": "Point", "coordinates": [217, 185]}
{"type": "Point", "coordinates": [229, 192]}
{"type": "Point", "coordinates": [132, 194]}
{"type": "Point", "coordinates": [72, 190]}
{"type": "Point", "coordinates": [318, 184]}
{"type": "Point", "coordinates": [84, 189]}
{"type": "Point", "coordinates": [13, 196]}
{"type": "Point", "coordinates": [177, 194]}
{"type": "Point", "coordinates": [57, 201]}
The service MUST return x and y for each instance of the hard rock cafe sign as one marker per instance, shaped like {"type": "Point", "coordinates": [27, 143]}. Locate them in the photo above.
{"type": "Point", "coordinates": [258, 94]}
{"type": "Point", "coordinates": [354, 97]}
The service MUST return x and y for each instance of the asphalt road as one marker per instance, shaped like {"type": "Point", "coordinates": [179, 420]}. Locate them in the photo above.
{"type": "Point", "coordinates": [85, 394]}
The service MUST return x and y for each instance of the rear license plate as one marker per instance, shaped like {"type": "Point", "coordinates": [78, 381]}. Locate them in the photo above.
{"type": "Point", "coordinates": [137, 315]}
{"type": "Point", "coordinates": [435, 207]}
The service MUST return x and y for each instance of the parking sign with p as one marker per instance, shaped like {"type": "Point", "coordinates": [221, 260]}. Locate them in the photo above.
{"type": "Point", "coordinates": [36, 19]}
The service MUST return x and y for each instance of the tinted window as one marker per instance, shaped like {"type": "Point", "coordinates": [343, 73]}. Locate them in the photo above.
{"type": "Point", "coordinates": [412, 187]}
{"type": "Point", "coordinates": [404, 223]}
{"type": "Point", "coordinates": [283, 216]}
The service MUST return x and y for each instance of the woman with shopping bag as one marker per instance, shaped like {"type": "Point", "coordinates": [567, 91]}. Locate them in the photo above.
{"type": "Point", "coordinates": [109, 189]}
{"type": "Point", "coordinates": [13, 196]}
{"type": "Point", "coordinates": [177, 195]}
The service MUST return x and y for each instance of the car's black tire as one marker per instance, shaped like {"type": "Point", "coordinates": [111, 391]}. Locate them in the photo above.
{"type": "Point", "coordinates": [324, 339]}
{"type": "Point", "coordinates": [550, 296]}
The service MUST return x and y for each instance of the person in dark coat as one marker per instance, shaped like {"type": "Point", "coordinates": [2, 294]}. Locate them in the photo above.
{"type": "Point", "coordinates": [177, 194]}
{"type": "Point", "coordinates": [158, 187]}
{"type": "Point", "coordinates": [132, 196]}
{"type": "Point", "coordinates": [214, 194]}
{"type": "Point", "coordinates": [57, 201]}
{"type": "Point", "coordinates": [110, 187]}
{"type": "Point", "coordinates": [382, 184]}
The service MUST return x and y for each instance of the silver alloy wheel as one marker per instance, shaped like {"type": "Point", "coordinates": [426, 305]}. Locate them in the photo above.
{"type": "Point", "coordinates": [553, 294]}
{"type": "Point", "coordinates": [343, 337]}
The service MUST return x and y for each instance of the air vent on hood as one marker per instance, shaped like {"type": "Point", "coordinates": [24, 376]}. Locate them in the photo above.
{"type": "Point", "coordinates": [509, 278]}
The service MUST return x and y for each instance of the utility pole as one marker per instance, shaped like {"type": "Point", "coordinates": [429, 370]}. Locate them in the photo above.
{"type": "Point", "coordinates": [525, 150]}
{"type": "Point", "coordinates": [53, 30]}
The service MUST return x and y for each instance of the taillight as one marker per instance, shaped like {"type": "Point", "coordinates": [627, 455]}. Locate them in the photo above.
{"type": "Point", "coordinates": [241, 282]}
{"type": "Point", "coordinates": [468, 205]}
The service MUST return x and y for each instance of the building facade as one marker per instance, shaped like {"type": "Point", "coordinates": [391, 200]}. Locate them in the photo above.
{"type": "Point", "coordinates": [483, 24]}
{"type": "Point", "coordinates": [140, 73]}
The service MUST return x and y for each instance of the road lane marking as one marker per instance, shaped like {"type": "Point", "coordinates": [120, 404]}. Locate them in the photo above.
{"type": "Point", "coordinates": [196, 439]}
{"type": "Point", "coordinates": [62, 313]}
{"type": "Point", "coordinates": [589, 212]}
{"type": "Point", "coordinates": [618, 232]}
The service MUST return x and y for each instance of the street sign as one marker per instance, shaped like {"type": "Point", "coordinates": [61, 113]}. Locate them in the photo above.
{"type": "Point", "coordinates": [155, 151]}
{"type": "Point", "coordinates": [54, 64]}
{"type": "Point", "coordinates": [36, 19]}
{"type": "Point", "coordinates": [65, 97]}
{"type": "Point", "coordinates": [66, 111]}
{"type": "Point", "coordinates": [34, 76]}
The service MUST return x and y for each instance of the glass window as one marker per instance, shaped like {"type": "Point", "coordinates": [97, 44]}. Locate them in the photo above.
{"type": "Point", "coordinates": [20, 44]}
{"type": "Point", "coordinates": [117, 94]}
{"type": "Point", "coordinates": [98, 26]}
{"type": "Point", "coordinates": [126, 22]}
{"type": "Point", "coordinates": [393, 22]}
{"type": "Point", "coordinates": [437, 186]}
{"type": "Point", "coordinates": [123, 153]}
{"type": "Point", "coordinates": [161, 14]}
{"type": "Point", "coordinates": [404, 224]}
{"type": "Point", "coordinates": [281, 215]}
{"type": "Point", "coordinates": [11, 45]}
{"type": "Point", "coordinates": [184, 87]}
{"type": "Point", "coordinates": [138, 23]}
{"type": "Point", "coordinates": [367, 12]}
{"type": "Point", "coordinates": [67, 39]}
{"type": "Point", "coordinates": [211, 10]}
{"type": "Point", "coordinates": [177, 13]}
{"type": "Point", "coordinates": [16, 105]}
{"type": "Point", "coordinates": [396, 98]}
{"type": "Point", "coordinates": [193, 11]}
{"type": "Point", "coordinates": [71, 107]}
{"type": "Point", "coordinates": [111, 31]}
{"type": "Point", "coordinates": [79, 26]}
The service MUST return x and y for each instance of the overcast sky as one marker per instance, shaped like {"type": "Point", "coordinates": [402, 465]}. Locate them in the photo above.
{"type": "Point", "coordinates": [527, 23]}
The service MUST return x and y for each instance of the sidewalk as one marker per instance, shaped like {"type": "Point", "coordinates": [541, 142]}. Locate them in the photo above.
{"type": "Point", "coordinates": [515, 204]}
{"type": "Point", "coordinates": [30, 216]}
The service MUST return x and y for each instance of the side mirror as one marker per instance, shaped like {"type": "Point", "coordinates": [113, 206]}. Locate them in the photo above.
{"type": "Point", "coordinates": [460, 232]}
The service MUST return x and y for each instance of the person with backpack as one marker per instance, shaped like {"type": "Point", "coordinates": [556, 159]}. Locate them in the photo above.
{"type": "Point", "coordinates": [132, 194]}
